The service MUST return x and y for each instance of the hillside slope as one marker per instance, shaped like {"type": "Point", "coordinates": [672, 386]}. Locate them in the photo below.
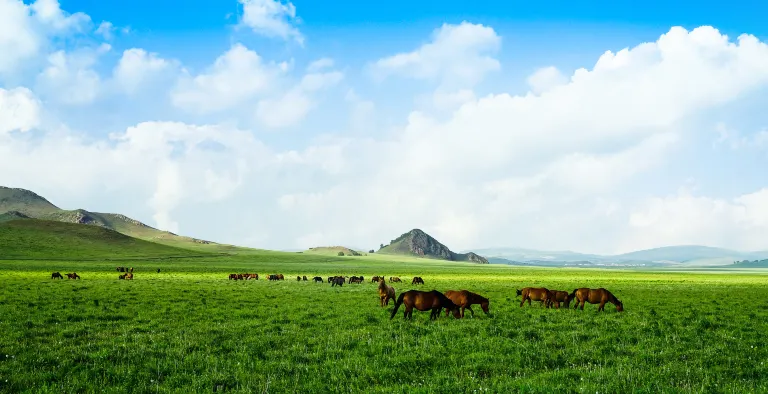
{"type": "Point", "coordinates": [333, 251]}
{"type": "Point", "coordinates": [15, 201]}
{"type": "Point", "coordinates": [44, 239]}
{"type": "Point", "coordinates": [418, 243]}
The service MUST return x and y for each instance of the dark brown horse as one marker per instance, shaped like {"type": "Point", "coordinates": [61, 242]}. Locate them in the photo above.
{"type": "Point", "coordinates": [56, 275]}
{"type": "Point", "coordinates": [317, 279]}
{"type": "Point", "coordinates": [298, 278]}
{"type": "Point", "coordinates": [120, 269]}
{"type": "Point", "coordinates": [425, 300]}
{"type": "Point", "coordinates": [337, 281]}
{"type": "Point", "coordinates": [376, 279]}
{"type": "Point", "coordinates": [555, 297]}
{"type": "Point", "coordinates": [533, 293]}
{"type": "Point", "coordinates": [304, 278]}
{"type": "Point", "coordinates": [129, 276]}
{"type": "Point", "coordinates": [386, 293]}
{"type": "Point", "coordinates": [394, 279]}
{"type": "Point", "coordinates": [417, 280]}
{"type": "Point", "coordinates": [595, 296]}
{"type": "Point", "coordinates": [465, 299]}
{"type": "Point", "coordinates": [121, 277]}
{"type": "Point", "coordinates": [73, 275]}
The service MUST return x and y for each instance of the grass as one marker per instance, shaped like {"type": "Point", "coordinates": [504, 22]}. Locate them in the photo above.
{"type": "Point", "coordinates": [189, 329]}
{"type": "Point", "coordinates": [43, 239]}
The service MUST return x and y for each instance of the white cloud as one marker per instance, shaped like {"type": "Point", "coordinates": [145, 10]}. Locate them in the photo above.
{"type": "Point", "coordinates": [50, 13]}
{"type": "Point", "coordinates": [545, 79]}
{"type": "Point", "coordinates": [138, 67]}
{"type": "Point", "coordinates": [105, 30]}
{"type": "Point", "coordinates": [19, 110]}
{"type": "Point", "coordinates": [235, 77]}
{"type": "Point", "coordinates": [271, 18]}
{"type": "Point", "coordinates": [19, 41]}
{"type": "Point", "coordinates": [320, 64]}
{"type": "Point", "coordinates": [70, 77]}
{"type": "Point", "coordinates": [458, 56]}
{"type": "Point", "coordinates": [292, 107]}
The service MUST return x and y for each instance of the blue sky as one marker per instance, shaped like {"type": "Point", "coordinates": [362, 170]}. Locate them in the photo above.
{"type": "Point", "coordinates": [471, 121]}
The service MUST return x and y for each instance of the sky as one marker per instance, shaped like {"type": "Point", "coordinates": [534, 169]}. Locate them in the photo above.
{"type": "Point", "coordinates": [586, 126]}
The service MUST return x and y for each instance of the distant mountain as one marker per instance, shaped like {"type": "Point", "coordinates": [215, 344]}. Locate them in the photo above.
{"type": "Point", "coordinates": [20, 203]}
{"type": "Point", "coordinates": [687, 255]}
{"type": "Point", "coordinates": [334, 251]}
{"type": "Point", "coordinates": [420, 244]}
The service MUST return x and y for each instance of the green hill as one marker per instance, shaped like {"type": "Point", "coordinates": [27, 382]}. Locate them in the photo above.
{"type": "Point", "coordinates": [44, 239]}
{"type": "Point", "coordinates": [333, 251]}
{"type": "Point", "coordinates": [420, 244]}
{"type": "Point", "coordinates": [24, 203]}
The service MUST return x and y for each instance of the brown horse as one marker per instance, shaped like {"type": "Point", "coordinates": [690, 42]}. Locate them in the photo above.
{"type": "Point", "coordinates": [465, 299]}
{"type": "Point", "coordinates": [317, 279]}
{"type": "Point", "coordinates": [425, 300]}
{"type": "Point", "coordinates": [394, 279]}
{"type": "Point", "coordinates": [120, 269]}
{"type": "Point", "coordinates": [417, 280]}
{"type": "Point", "coordinates": [533, 293]}
{"type": "Point", "coordinates": [386, 293]}
{"type": "Point", "coordinates": [129, 276]}
{"type": "Point", "coordinates": [376, 279]}
{"type": "Point", "coordinates": [304, 278]}
{"type": "Point", "coordinates": [596, 296]}
{"type": "Point", "coordinates": [337, 281]}
{"type": "Point", "coordinates": [555, 297]}
{"type": "Point", "coordinates": [56, 275]}
{"type": "Point", "coordinates": [73, 275]}
{"type": "Point", "coordinates": [298, 278]}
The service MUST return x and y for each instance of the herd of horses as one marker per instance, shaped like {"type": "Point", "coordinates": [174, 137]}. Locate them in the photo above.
{"type": "Point", "coordinates": [453, 301]}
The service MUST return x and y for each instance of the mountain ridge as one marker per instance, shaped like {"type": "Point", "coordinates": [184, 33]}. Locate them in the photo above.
{"type": "Point", "coordinates": [420, 244]}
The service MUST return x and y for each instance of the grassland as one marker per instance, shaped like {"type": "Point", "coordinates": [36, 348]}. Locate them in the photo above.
{"type": "Point", "coordinates": [189, 329]}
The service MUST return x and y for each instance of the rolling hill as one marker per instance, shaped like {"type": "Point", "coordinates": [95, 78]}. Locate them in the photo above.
{"type": "Point", "coordinates": [420, 244]}
{"type": "Point", "coordinates": [333, 251]}
{"type": "Point", "coordinates": [19, 203]}
{"type": "Point", "coordinates": [46, 239]}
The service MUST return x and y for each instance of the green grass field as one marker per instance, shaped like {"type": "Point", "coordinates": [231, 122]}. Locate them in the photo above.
{"type": "Point", "coordinates": [189, 329]}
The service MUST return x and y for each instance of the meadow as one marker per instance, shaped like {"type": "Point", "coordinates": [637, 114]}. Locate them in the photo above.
{"type": "Point", "coordinates": [189, 329]}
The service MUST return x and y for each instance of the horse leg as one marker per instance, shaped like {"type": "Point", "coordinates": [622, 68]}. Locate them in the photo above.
{"type": "Point", "coordinates": [582, 304]}
{"type": "Point", "coordinates": [601, 307]}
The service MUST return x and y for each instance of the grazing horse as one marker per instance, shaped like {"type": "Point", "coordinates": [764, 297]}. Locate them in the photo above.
{"type": "Point", "coordinates": [304, 278]}
{"type": "Point", "coordinates": [280, 277]}
{"type": "Point", "coordinates": [596, 296]}
{"type": "Point", "coordinates": [555, 297]}
{"type": "Point", "coordinates": [317, 279]}
{"type": "Point", "coordinates": [533, 293]}
{"type": "Point", "coordinates": [425, 300]}
{"type": "Point", "coordinates": [131, 269]}
{"type": "Point", "coordinates": [376, 279]}
{"type": "Point", "coordinates": [121, 276]}
{"type": "Point", "coordinates": [158, 270]}
{"type": "Point", "coordinates": [394, 279]}
{"type": "Point", "coordinates": [120, 269]}
{"type": "Point", "coordinates": [337, 281]}
{"type": "Point", "coordinates": [465, 299]}
{"type": "Point", "coordinates": [129, 276]}
{"type": "Point", "coordinates": [232, 276]}
{"type": "Point", "coordinates": [56, 275]}
{"type": "Point", "coordinates": [386, 293]}
{"type": "Point", "coordinates": [73, 275]}
{"type": "Point", "coordinates": [298, 278]}
{"type": "Point", "coordinates": [356, 279]}
{"type": "Point", "coordinates": [417, 280]}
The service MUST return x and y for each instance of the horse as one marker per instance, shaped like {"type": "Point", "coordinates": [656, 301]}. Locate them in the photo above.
{"type": "Point", "coordinates": [337, 281]}
{"type": "Point", "coordinates": [425, 300]}
{"type": "Point", "coordinates": [280, 277]}
{"type": "Point", "coordinates": [298, 278]}
{"type": "Point", "coordinates": [386, 293]}
{"type": "Point", "coordinates": [158, 270]}
{"type": "Point", "coordinates": [121, 276]}
{"type": "Point", "coordinates": [120, 269]}
{"type": "Point", "coordinates": [129, 276]}
{"type": "Point", "coordinates": [417, 280]}
{"type": "Point", "coordinates": [356, 279]}
{"type": "Point", "coordinates": [533, 293]}
{"type": "Point", "coordinates": [252, 276]}
{"type": "Point", "coordinates": [394, 279]}
{"type": "Point", "coordinates": [56, 275]}
{"type": "Point", "coordinates": [232, 276]}
{"type": "Point", "coordinates": [555, 297]}
{"type": "Point", "coordinates": [376, 279]}
{"type": "Point", "coordinates": [131, 269]}
{"type": "Point", "coordinates": [73, 275]}
{"type": "Point", "coordinates": [465, 299]}
{"type": "Point", "coordinates": [596, 296]}
{"type": "Point", "coordinates": [304, 278]}
{"type": "Point", "coordinates": [317, 279]}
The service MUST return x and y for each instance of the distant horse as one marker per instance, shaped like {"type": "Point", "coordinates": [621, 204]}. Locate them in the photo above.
{"type": "Point", "coordinates": [337, 281]}
{"type": "Point", "coordinates": [417, 280]}
{"type": "Point", "coordinates": [129, 276]}
{"type": "Point", "coordinates": [298, 278]}
{"type": "Point", "coordinates": [304, 278]}
{"type": "Point", "coordinates": [73, 275]}
{"type": "Point", "coordinates": [356, 279]}
{"type": "Point", "coordinates": [595, 296]}
{"type": "Point", "coordinates": [120, 269]}
{"type": "Point", "coordinates": [376, 279]}
{"type": "Point", "coordinates": [317, 279]}
{"type": "Point", "coordinates": [158, 270]}
{"type": "Point", "coordinates": [465, 299]}
{"type": "Point", "coordinates": [280, 277]}
{"type": "Point", "coordinates": [131, 269]}
{"type": "Point", "coordinates": [386, 293]}
{"type": "Point", "coordinates": [555, 297]}
{"type": "Point", "coordinates": [425, 300]}
{"type": "Point", "coordinates": [394, 279]}
{"type": "Point", "coordinates": [253, 276]}
{"type": "Point", "coordinates": [121, 277]}
{"type": "Point", "coordinates": [56, 275]}
{"type": "Point", "coordinates": [533, 293]}
{"type": "Point", "coordinates": [232, 276]}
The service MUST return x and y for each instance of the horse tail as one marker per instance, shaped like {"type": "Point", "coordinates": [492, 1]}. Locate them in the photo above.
{"type": "Point", "coordinates": [573, 294]}
{"type": "Point", "coordinates": [397, 305]}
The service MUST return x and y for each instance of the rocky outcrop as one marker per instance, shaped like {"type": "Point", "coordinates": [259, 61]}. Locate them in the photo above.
{"type": "Point", "coordinates": [418, 243]}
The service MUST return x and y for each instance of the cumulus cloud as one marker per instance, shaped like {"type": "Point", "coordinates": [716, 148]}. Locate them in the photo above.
{"type": "Point", "coordinates": [19, 41]}
{"type": "Point", "coordinates": [271, 18]}
{"type": "Point", "coordinates": [236, 76]}
{"type": "Point", "coordinates": [458, 56]}
{"type": "Point", "coordinates": [19, 110]}
{"type": "Point", "coordinates": [49, 12]}
{"type": "Point", "coordinates": [293, 106]}
{"type": "Point", "coordinates": [70, 77]}
{"type": "Point", "coordinates": [138, 67]}
{"type": "Point", "coordinates": [545, 79]}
